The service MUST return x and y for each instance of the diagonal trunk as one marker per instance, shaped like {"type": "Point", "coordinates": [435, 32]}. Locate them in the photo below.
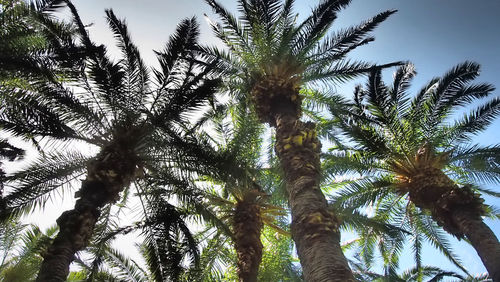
{"type": "Point", "coordinates": [459, 211]}
{"type": "Point", "coordinates": [75, 229]}
{"type": "Point", "coordinates": [314, 228]}
{"type": "Point", "coordinates": [111, 171]}
{"type": "Point", "coordinates": [247, 226]}
{"type": "Point", "coordinates": [482, 239]}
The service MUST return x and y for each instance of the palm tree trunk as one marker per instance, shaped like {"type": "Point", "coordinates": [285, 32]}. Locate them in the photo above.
{"type": "Point", "coordinates": [108, 174]}
{"type": "Point", "coordinates": [75, 229]}
{"type": "Point", "coordinates": [247, 226]}
{"type": "Point", "coordinates": [314, 228]}
{"type": "Point", "coordinates": [459, 211]}
{"type": "Point", "coordinates": [482, 239]}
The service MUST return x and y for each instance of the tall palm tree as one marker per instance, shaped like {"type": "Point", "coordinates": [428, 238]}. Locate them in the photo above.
{"type": "Point", "coordinates": [412, 148]}
{"type": "Point", "coordinates": [114, 107]}
{"type": "Point", "coordinates": [246, 211]}
{"type": "Point", "coordinates": [273, 57]}
{"type": "Point", "coordinates": [233, 150]}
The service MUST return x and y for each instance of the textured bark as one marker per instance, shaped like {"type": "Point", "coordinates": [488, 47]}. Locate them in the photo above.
{"type": "Point", "coordinates": [76, 227]}
{"type": "Point", "coordinates": [482, 239]}
{"type": "Point", "coordinates": [107, 175]}
{"type": "Point", "coordinates": [459, 211]}
{"type": "Point", "coordinates": [275, 95]}
{"type": "Point", "coordinates": [314, 227]}
{"type": "Point", "coordinates": [247, 226]}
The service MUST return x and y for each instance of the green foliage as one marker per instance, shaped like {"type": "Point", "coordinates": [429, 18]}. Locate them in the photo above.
{"type": "Point", "coordinates": [57, 84]}
{"type": "Point", "coordinates": [267, 40]}
{"type": "Point", "coordinates": [385, 130]}
{"type": "Point", "coordinates": [277, 261]}
{"type": "Point", "coordinates": [76, 93]}
{"type": "Point", "coordinates": [22, 246]}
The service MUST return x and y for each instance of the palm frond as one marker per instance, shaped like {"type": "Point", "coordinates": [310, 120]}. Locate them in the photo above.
{"type": "Point", "coordinates": [364, 191]}
{"type": "Point", "coordinates": [231, 31]}
{"type": "Point", "coordinates": [342, 42]}
{"type": "Point", "coordinates": [125, 269]}
{"type": "Point", "coordinates": [477, 121]}
{"type": "Point", "coordinates": [476, 162]}
{"type": "Point", "coordinates": [342, 71]}
{"type": "Point", "coordinates": [437, 239]}
{"type": "Point", "coordinates": [451, 89]}
{"type": "Point", "coordinates": [315, 26]}
{"type": "Point", "coordinates": [137, 76]}
{"type": "Point", "coordinates": [24, 115]}
{"type": "Point", "coordinates": [37, 183]}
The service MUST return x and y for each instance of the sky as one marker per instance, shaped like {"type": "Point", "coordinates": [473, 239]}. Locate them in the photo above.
{"type": "Point", "coordinates": [433, 34]}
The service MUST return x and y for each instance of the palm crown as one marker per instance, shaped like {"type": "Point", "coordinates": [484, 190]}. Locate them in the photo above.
{"type": "Point", "coordinates": [115, 106]}
{"type": "Point", "coordinates": [398, 136]}
{"type": "Point", "coordinates": [270, 51]}
{"type": "Point", "coordinates": [111, 104]}
{"type": "Point", "coordinates": [271, 57]}
{"type": "Point", "coordinates": [404, 146]}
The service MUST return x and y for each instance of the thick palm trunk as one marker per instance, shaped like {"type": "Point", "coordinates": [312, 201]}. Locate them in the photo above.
{"type": "Point", "coordinates": [459, 211]}
{"type": "Point", "coordinates": [482, 239]}
{"type": "Point", "coordinates": [108, 174]}
{"type": "Point", "coordinates": [75, 229]}
{"type": "Point", "coordinates": [247, 226]}
{"type": "Point", "coordinates": [314, 227]}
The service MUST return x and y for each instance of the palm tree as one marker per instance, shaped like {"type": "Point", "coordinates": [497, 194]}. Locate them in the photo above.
{"type": "Point", "coordinates": [114, 107]}
{"type": "Point", "coordinates": [248, 213]}
{"type": "Point", "coordinates": [411, 148]}
{"type": "Point", "coordinates": [242, 201]}
{"type": "Point", "coordinates": [272, 57]}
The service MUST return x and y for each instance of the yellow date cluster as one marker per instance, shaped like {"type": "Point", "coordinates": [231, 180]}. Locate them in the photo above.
{"type": "Point", "coordinates": [307, 136]}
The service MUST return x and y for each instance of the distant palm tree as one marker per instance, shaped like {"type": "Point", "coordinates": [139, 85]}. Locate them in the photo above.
{"type": "Point", "coordinates": [227, 156]}
{"type": "Point", "coordinates": [112, 106]}
{"type": "Point", "coordinates": [245, 206]}
{"type": "Point", "coordinates": [271, 57]}
{"type": "Point", "coordinates": [410, 147]}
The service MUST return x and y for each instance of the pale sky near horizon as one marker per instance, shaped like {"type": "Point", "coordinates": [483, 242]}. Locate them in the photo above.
{"type": "Point", "coordinates": [434, 34]}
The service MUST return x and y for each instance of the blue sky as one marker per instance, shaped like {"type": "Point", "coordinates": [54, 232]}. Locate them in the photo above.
{"type": "Point", "coordinates": [433, 34]}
